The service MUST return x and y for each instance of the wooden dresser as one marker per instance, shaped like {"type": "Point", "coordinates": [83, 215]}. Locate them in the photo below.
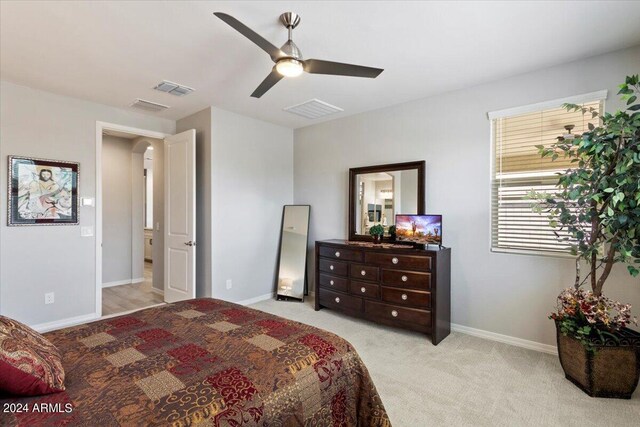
{"type": "Point", "coordinates": [408, 288]}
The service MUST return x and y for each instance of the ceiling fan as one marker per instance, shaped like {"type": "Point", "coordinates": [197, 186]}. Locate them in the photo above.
{"type": "Point", "coordinates": [288, 59]}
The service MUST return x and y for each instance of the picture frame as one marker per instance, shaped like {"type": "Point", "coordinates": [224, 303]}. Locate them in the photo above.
{"type": "Point", "coordinates": [42, 192]}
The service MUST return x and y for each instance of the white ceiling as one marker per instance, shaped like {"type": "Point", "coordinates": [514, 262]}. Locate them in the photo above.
{"type": "Point", "coordinates": [112, 52]}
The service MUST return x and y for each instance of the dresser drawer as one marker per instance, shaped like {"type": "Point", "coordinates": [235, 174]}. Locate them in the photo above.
{"type": "Point", "coordinates": [333, 282]}
{"type": "Point", "coordinates": [340, 253]}
{"type": "Point", "coordinates": [364, 289]}
{"type": "Point", "coordinates": [405, 297]}
{"type": "Point", "coordinates": [364, 272]}
{"type": "Point", "coordinates": [406, 279]}
{"type": "Point", "coordinates": [334, 267]}
{"type": "Point", "coordinates": [404, 314]}
{"type": "Point", "coordinates": [343, 301]}
{"type": "Point", "coordinates": [403, 262]}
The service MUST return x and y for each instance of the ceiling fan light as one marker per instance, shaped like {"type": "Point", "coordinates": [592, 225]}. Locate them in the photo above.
{"type": "Point", "coordinates": [289, 67]}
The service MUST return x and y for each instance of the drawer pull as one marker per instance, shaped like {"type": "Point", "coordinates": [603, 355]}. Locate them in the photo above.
{"type": "Point", "coordinates": [394, 260]}
{"type": "Point", "coordinates": [331, 267]}
{"type": "Point", "coordinates": [364, 273]}
{"type": "Point", "coordinates": [405, 278]}
{"type": "Point", "coordinates": [394, 313]}
{"type": "Point", "coordinates": [331, 282]}
{"type": "Point", "coordinates": [337, 254]}
{"type": "Point", "coordinates": [338, 299]}
{"type": "Point", "coordinates": [404, 297]}
{"type": "Point", "coordinates": [363, 289]}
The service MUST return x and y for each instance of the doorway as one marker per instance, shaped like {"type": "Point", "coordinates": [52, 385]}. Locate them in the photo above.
{"type": "Point", "coordinates": [171, 272]}
{"type": "Point", "coordinates": [131, 200]}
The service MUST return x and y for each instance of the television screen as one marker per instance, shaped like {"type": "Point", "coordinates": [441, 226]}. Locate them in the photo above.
{"type": "Point", "coordinates": [425, 229]}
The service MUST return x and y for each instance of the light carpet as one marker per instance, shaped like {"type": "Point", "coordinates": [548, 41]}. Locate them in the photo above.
{"type": "Point", "coordinates": [464, 381]}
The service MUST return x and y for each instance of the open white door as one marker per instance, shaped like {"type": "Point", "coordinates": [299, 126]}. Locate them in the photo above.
{"type": "Point", "coordinates": [180, 216]}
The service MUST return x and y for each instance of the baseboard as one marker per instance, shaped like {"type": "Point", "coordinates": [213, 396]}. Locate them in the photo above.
{"type": "Point", "coordinates": [256, 299]}
{"type": "Point", "coordinates": [123, 282]}
{"type": "Point", "coordinates": [65, 323]}
{"type": "Point", "coordinates": [506, 339]}
{"type": "Point", "coordinates": [157, 291]}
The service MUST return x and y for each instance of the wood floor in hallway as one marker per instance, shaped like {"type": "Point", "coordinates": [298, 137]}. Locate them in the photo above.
{"type": "Point", "coordinates": [118, 299]}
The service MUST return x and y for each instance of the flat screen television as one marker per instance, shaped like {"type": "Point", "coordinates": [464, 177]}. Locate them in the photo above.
{"type": "Point", "coordinates": [422, 229]}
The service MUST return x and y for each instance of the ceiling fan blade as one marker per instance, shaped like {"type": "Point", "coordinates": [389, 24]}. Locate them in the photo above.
{"type": "Point", "coordinates": [318, 66]}
{"type": "Point", "coordinates": [273, 78]}
{"type": "Point", "coordinates": [264, 44]}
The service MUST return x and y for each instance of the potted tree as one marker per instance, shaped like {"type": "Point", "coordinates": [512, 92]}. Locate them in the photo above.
{"type": "Point", "coordinates": [598, 205]}
{"type": "Point", "coordinates": [377, 231]}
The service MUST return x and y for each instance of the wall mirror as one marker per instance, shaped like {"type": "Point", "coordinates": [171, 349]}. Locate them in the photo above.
{"type": "Point", "coordinates": [292, 264]}
{"type": "Point", "coordinates": [378, 193]}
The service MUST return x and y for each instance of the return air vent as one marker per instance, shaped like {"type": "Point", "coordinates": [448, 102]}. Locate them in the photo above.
{"type": "Point", "coordinates": [173, 88]}
{"type": "Point", "coordinates": [148, 105]}
{"type": "Point", "coordinates": [313, 109]}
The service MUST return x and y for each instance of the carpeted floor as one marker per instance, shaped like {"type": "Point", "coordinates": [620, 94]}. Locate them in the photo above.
{"type": "Point", "coordinates": [464, 381]}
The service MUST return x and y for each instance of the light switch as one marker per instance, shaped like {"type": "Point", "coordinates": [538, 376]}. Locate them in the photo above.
{"type": "Point", "coordinates": [86, 231]}
{"type": "Point", "coordinates": [87, 201]}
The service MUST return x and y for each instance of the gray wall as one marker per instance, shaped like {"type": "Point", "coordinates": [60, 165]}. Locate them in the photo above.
{"type": "Point", "coordinates": [36, 260]}
{"type": "Point", "coordinates": [201, 122]}
{"type": "Point", "coordinates": [117, 200]}
{"type": "Point", "coordinates": [123, 209]}
{"type": "Point", "coordinates": [252, 178]}
{"type": "Point", "coordinates": [137, 216]}
{"type": "Point", "coordinates": [157, 247]}
{"type": "Point", "coordinates": [501, 293]}
{"type": "Point", "coordinates": [409, 189]}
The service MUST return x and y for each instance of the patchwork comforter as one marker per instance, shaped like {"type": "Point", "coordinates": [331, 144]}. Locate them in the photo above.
{"type": "Point", "coordinates": [205, 362]}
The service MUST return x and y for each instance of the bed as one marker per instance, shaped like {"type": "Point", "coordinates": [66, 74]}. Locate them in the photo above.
{"type": "Point", "coordinates": [203, 362]}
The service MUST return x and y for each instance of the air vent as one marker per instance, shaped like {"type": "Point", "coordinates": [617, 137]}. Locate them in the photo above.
{"type": "Point", "coordinates": [173, 88]}
{"type": "Point", "coordinates": [148, 105]}
{"type": "Point", "coordinates": [313, 109]}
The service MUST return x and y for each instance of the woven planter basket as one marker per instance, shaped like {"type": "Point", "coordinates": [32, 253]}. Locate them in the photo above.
{"type": "Point", "coordinates": [612, 371]}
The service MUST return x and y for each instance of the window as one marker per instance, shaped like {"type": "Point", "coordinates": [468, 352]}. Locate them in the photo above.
{"type": "Point", "coordinates": [518, 168]}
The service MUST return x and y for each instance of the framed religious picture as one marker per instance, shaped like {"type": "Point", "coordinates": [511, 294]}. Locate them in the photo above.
{"type": "Point", "coordinates": [42, 192]}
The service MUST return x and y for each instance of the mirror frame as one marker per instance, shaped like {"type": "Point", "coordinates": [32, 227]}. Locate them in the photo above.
{"type": "Point", "coordinates": [305, 287]}
{"type": "Point", "coordinates": [353, 172]}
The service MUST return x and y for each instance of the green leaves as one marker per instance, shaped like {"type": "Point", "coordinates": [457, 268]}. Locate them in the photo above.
{"type": "Point", "coordinates": [597, 202]}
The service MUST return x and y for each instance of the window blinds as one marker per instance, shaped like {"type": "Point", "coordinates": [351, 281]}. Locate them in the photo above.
{"type": "Point", "coordinates": [518, 169]}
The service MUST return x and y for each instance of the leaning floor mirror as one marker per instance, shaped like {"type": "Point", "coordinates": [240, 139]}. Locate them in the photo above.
{"type": "Point", "coordinates": [292, 264]}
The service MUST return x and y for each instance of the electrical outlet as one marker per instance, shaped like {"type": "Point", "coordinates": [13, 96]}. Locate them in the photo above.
{"type": "Point", "coordinates": [229, 284]}
{"type": "Point", "coordinates": [49, 298]}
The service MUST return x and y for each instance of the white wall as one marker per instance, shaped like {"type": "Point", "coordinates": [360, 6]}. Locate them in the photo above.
{"type": "Point", "coordinates": [117, 200]}
{"type": "Point", "coordinates": [502, 293]}
{"type": "Point", "coordinates": [252, 178]}
{"type": "Point", "coordinates": [36, 260]}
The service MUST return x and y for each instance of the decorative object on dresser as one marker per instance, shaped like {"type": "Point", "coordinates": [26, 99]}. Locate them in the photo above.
{"type": "Point", "coordinates": [395, 285]}
{"type": "Point", "coordinates": [377, 231]}
{"type": "Point", "coordinates": [292, 256]}
{"type": "Point", "coordinates": [378, 193]}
